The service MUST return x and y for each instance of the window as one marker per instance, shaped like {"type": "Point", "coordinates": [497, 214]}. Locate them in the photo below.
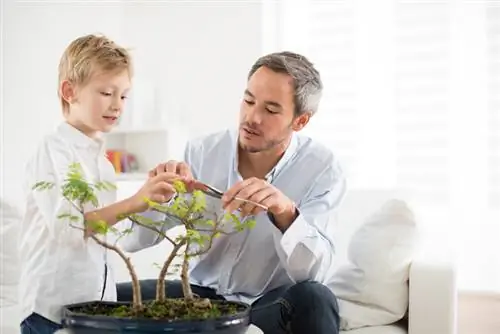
{"type": "Point", "coordinates": [493, 17]}
{"type": "Point", "coordinates": [412, 100]}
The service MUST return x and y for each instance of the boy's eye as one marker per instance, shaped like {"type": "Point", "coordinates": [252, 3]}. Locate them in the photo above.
{"type": "Point", "coordinates": [272, 111]}
{"type": "Point", "coordinates": [105, 93]}
{"type": "Point", "coordinates": [249, 102]}
{"type": "Point", "coordinates": [124, 97]}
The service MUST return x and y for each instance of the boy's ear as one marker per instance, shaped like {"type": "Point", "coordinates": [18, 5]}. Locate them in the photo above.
{"type": "Point", "coordinates": [68, 91]}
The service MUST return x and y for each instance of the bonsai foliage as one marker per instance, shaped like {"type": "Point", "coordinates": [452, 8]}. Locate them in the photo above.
{"type": "Point", "coordinates": [188, 209]}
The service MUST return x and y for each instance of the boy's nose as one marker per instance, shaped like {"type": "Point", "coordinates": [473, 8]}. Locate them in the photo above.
{"type": "Point", "coordinates": [117, 104]}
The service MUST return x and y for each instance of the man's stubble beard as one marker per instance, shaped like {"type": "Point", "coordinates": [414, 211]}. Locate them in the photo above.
{"type": "Point", "coordinates": [268, 144]}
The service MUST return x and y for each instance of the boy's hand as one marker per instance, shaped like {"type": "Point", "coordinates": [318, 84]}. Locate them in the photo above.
{"type": "Point", "coordinates": [157, 188]}
{"type": "Point", "coordinates": [179, 168]}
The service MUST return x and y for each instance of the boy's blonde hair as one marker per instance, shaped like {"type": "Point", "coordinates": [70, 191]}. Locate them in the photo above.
{"type": "Point", "coordinates": [88, 55]}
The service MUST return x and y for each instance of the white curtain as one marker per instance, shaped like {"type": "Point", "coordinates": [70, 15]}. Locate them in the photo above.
{"type": "Point", "coordinates": [412, 100]}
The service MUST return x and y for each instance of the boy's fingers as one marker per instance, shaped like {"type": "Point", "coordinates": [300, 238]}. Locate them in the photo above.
{"type": "Point", "coordinates": [159, 169]}
{"type": "Point", "coordinates": [163, 187]}
{"type": "Point", "coordinates": [171, 166]}
{"type": "Point", "coordinates": [152, 173]}
{"type": "Point", "coordinates": [168, 177]}
{"type": "Point", "coordinates": [183, 170]}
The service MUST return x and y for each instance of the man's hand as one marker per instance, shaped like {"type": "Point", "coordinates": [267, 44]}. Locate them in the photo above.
{"type": "Point", "coordinates": [179, 168]}
{"type": "Point", "coordinates": [279, 206]}
{"type": "Point", "coordinates": [157, 188]}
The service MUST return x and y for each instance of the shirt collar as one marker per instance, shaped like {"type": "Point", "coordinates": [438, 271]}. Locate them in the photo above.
{"type": "Point", "coordinates": [78, 138]}
{"type": "Point", "coordinates": [289, 152]}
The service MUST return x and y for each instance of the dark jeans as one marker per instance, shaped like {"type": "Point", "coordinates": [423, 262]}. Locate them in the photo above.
{"type": "Point", "coordinates": [306, 307]}
{"type": "Point", "coordinates": [36, 324]}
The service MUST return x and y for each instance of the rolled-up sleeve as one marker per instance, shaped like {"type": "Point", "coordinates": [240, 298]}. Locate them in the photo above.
{"type": "Point", "coordinates": [306, 249]}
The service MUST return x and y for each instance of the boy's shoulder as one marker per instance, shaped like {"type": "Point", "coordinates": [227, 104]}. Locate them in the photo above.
{"type": "Point", "coordinates": [51, 149]}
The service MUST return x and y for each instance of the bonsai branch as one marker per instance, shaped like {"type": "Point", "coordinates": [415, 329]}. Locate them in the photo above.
{"type": "Point", "coordinates": [151, 228]}
{"type": "Point", "coordinates": [160, 284]}
{"type": "Point", "coordinates": [136, 287]}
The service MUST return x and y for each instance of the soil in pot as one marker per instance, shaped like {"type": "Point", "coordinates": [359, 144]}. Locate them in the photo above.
{"type": "Point", "coordinates": [171, 316]}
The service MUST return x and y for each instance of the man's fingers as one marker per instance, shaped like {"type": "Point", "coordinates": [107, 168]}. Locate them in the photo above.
{"type": "Point", "coordinates": [235, 189]}
{"type": "Point", "coordinates": [261, 197]}
{"type": "Point", "coordinates": [262, 194]}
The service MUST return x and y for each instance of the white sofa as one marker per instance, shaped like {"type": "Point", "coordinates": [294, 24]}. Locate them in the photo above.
{"type": "Point", "coordinates": [432, 283]}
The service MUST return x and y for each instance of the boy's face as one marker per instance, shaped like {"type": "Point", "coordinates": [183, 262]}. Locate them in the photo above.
{"type": "Point", "coordinates": [96, 106]}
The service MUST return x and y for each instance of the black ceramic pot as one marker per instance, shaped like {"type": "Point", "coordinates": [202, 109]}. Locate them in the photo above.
{"type": "Point", "coordinates": [79, 323]}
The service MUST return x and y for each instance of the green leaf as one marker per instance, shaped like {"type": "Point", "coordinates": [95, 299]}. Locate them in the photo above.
{"type": "Point", "coordinates": [98, 226]}
{"type": "Point", "coordinates": [142, 220]}
{"type": "Point", "coordinates": [70, 217]}
{"type": "Point", "coordinates": [180, 186]}
{"type": "Point", "coordinates": [198, 202]}
{"type": "Point", "coordinates": [42, 185]}
{"type": "Point", "coordinates": [250, 223]}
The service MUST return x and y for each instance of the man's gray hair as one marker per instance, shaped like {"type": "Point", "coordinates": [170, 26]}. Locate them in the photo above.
{"type": "Point", "coordinates": [307, 81]}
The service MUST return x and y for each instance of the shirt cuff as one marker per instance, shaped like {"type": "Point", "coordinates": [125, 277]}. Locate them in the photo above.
{"type": "Point", "coordinates": [296, 232]}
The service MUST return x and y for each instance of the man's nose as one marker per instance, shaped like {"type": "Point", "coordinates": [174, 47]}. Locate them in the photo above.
{"type": "Point", "coordinates": [254, 115]}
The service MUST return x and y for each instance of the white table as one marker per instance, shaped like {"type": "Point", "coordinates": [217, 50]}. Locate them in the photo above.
{"type": "Point", "coordinates": [251, 330]}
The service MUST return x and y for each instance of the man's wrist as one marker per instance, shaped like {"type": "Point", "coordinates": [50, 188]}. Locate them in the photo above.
{"type": "Point", "coordinates": [285, 219]}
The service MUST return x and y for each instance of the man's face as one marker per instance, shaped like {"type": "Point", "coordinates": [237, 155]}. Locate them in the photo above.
{"type": "Point", "coordinates": [267, 111]}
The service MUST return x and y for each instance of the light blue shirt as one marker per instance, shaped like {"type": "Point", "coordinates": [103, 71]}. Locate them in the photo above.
{"type": "Point", "coordinates": [245, 265]}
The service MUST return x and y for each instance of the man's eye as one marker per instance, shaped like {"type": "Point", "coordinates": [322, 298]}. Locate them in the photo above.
{"type": "Point", "coordinates": [105, 93]}
{"type": "Point", "coordinates": [249, 102]}
{"type": "Point", "coordinates": [272, 111]}
{"type": "Point", "coordinates": [124, 97]}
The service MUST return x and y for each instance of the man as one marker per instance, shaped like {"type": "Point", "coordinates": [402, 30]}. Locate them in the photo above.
{"type": "Point", "coordinates": [279, 266]}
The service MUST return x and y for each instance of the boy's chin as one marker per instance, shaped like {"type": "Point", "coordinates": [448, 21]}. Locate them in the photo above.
{"type": "Point", "coordinates": [107, 128]}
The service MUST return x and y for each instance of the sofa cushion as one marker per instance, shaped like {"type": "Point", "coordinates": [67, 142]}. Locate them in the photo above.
{"type": "Point", "coordinates": [391, 329]}
{"type": "Point", "coordinates": [372, 283]}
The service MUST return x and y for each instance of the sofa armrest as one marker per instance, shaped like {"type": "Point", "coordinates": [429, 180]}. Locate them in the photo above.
{"type": "Point", "coordinates": [432, 296]}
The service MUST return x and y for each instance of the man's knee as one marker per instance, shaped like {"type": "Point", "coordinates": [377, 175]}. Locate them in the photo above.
{"type": "Point", "coordinates": [309, 293]}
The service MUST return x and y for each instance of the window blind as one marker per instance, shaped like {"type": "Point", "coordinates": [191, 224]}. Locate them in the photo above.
{"type": "Point", "coordinates": [412, 101]}
{"type": "Point", "coordinates": [493, 29]}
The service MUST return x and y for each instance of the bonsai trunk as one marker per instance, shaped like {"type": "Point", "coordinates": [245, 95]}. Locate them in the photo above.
{"type": "Point", "coordinates": [160, 284]}
{"type": "Point", "coordinates": [136, 287]}
{"type": "Point", "coordinates": [186, 287]}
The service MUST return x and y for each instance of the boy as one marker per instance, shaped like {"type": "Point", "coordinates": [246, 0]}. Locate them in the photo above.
{"type": "Point", "coordinates": [59, 265]}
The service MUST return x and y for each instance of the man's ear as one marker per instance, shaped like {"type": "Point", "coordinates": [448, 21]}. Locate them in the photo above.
{"type": "Point", "coordinates": [300, 122]}
{"type": "Point", "coordinates": [68, 92]}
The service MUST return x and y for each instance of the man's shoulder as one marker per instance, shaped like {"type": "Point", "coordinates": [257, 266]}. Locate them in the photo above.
{"type": "Point", "coordinates": [220, 140]}
{"type": "Point", "coordinates": [312, 149]}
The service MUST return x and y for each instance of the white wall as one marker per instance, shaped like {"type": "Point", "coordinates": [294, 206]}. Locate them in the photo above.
{"type": "Point", "coordinates": [197, 54]}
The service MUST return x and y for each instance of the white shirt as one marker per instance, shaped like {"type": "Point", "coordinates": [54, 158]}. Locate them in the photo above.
{"type": "Point", "coordinates": [245, 265]}
{"type": "Point", "coordinates": [59, 267]}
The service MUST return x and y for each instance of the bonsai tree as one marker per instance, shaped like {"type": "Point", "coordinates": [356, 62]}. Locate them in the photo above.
{"type": "Point", "coordinates": [189, 209]}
